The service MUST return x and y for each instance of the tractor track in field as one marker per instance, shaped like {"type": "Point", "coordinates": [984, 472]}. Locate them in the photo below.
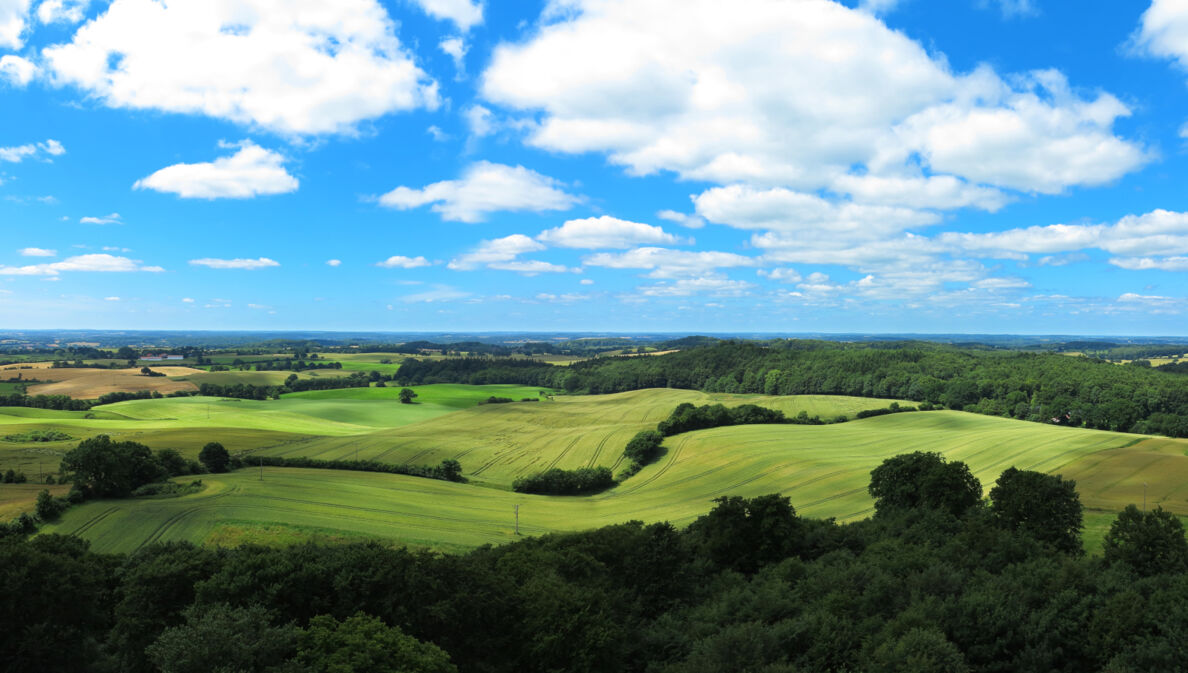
{"type": "Point", "coordinates": [672, 458]}
{"type": "Point", "coordinates": [564, 452]}
{"type": "Point", "coordinates": [598, 451]}
{"type": "Point", "coordinates": [90, 523]}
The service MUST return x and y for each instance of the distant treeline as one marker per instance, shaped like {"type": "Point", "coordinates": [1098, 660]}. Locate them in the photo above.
{"type": "Point", "coordinates": [448, 470]}
{"type": "Point", "coordinates": [1042, 387]}
{"type": "Point", "coordinates": [247, 391]}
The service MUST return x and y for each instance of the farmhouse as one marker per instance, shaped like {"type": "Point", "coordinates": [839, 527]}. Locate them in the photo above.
{"type": "Point", "coordinates": [162, 357]}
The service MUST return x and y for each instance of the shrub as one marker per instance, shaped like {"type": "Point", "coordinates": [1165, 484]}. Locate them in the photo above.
{"type": "Point", "coordinates": [581, 481]}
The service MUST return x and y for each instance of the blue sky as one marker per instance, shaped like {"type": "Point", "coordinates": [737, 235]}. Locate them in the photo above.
{"type": "Point", "coordinates": [609, 165]}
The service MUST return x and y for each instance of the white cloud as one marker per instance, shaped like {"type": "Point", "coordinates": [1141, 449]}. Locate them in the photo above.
{"type": "Point", "coordinates": [806, 215]}
{"type": "Point", "coordinates": [877, 6]}
{"type": "Point", "coordinates": [290, 66]}
{"type": "Point", "coordinates": [666, 263]}
{"type": "Point", "coordinates": [19, 153]}
{"type": "Point", "coordinates": [1178, 263]}
{"type": "Point", "coordinates": [62, 11]}
{"type": "Point", "coordinates": [685, 220]}
{"type": "Point", "coordinates": [402, 262]}
{"type": "Point", "coordinates": [187, 300]}
{"type": "Point", "coordinates": [464, 13]}
{"type": "Point", "coordinates": [1159, 232]}
{"type": "Point", "coordinates": [606, 232]}
{"type": "Point", "coordinates": [1001, 283]}
{"type": "Point", "coordinates": [91, 262]}
{"type": "Point", "coordinates": [113, 218]}
{"type": "Point", "coordinates": [782, 275]}
{"type": "Point", "coordinates": [16, 71]}
{"type": "Point", "coordinates": [334, 262]}
{"type": "Point", "coordinates": [1163, 32]}
{"type": "Point", "coordinates": [717, 287]}
{"type": "Point", "coordinates": [13, 16]}
{"type": "Point", "coordinates": [437, 294]}
{"type": "Point", "coordinates": [455, 47]}
{"type": "Point", "coordinates": [1130, 297]}
{"type": "Point", "coordinates": [38, 252]}
{"type": "Point", "coordinates": [479, 120]}
{"type": "Point", "coordinates": [251, 171]}
{"type": "Point", "coordinates": [1014, 8]}
{"type": "Point", "coordinates": [799, 95]}
{"type": "Point", "coordinates": [484, 188]}
{"type": "Point", "coordinates": [501, 254]}
{"type": "Point", "coordinates": [586, 281]}
{"type": "Point", "coordinates": [238, 263]}
{"type": "Point", "coordinates": [111, 299]}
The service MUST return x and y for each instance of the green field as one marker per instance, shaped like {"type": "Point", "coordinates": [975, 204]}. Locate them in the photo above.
{"type": "Point", "coordinates": [823, 469]}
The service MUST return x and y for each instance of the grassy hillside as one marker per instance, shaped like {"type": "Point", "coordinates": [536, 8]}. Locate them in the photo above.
{"type": "Point", "coordinates": [498, 443]}
{"type": "Point", "coordinates": [824, 469]}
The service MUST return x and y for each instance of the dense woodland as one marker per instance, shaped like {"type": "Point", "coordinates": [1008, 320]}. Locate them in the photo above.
{"type": "Point", "coordinates": [1043, 387]}
{"type": "Point", "coordinates": [938, 580]}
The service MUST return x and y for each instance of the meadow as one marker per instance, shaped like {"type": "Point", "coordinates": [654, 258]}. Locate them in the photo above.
{"type": "Point", "coordinates": [823, 469]}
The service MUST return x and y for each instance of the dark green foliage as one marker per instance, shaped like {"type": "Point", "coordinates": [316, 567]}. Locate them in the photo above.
{"type": "Point", "coordinates": [48, 507]}
{"type": "Point", "coordinates": [167, 489]}
{"type": "Point", "coordinates": [497, 400]}
{"type": "Point", "coordinates": [214, 457]}
{"type": "Point", "coordinates": [10, 476]}
{"type": "Point", "coordinates": [745, 535]}
{"type": "Point", "coordinates": [364, 643]}
{"type": "Point", "coordinates": [1149, 543]}
{"type": "Point", "coordinates": [246, 391]}
{"type": "Point", "coordinates": [407, 395]}
{"type": "Point", "coordinates": [107, 469]}
{"type": "Point", "coordinates": [924, 480]}
{"type": "Point", "coordinates": [448, 470]}
{"type": "Point", "coordinates": [687, 417]}
{"type": "Point", "coordinates": [919, 651]}
{"type": "Point", "coordinates": [38, 436]}
{"type": "Point", "coordinates": [173, 462]}
{"type": "Point", "coordinates": [53, 604]}
{"type": "Point", "coordinates": [222, 638]}
{"type": "Point", "coordinates": [644, 447]}
{"type": "Point", "coordinates": [582, 481]}
{"type": "Point", "coordinates": [1043, 506]}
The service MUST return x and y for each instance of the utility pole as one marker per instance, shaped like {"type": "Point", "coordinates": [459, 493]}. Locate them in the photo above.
{"type": "Point", "coordinates": [517, 519]}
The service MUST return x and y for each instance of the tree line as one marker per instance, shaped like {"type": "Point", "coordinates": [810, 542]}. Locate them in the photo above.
{"type": "Point", "coordinates": [1041, 387]}
{"type": "Point", "coordinates": [939, 579]}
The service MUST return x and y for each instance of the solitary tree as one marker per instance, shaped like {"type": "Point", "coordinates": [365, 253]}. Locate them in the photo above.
{"type": "Point", "coordinates": [215, 457]}
{"type": "Point", "coordinates": [145, 371]}
{"type": "Point", "coordinates": [924, 480]}
{"type": "Point", "coordinates": [105, 468]}
{"type": "Point", "coordinates": [407, 395]}
{"type": "Point", "coordinates": [1149, 542]}
{"type": "Point", "coordinates": [1044, 506]}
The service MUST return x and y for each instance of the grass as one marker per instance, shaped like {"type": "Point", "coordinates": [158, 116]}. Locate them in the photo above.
{"type": "Point", "coordinates": [824, 469]}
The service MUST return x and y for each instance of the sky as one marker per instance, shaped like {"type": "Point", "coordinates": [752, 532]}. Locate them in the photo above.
{"type": "Point", "coordinates": [924, 166]}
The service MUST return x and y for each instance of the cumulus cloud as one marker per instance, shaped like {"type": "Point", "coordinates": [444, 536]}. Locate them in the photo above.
{"type": "Point", "coordinates": [251, 171]}
{"type": "Point", "coordinates": [502, 253]}
{"type": "Point", "coordinates": [93, 262]}
{"type": "Point", "coordinates": [1177, 263]}
{"type": "Point", "coordinates": [334, 262]}
{"type": "Point", "coordinates": [13, 18]}
{"type": "Point", "coordinates": [1159, 232]}
{"type": "Point", "coordinates": [42, 150]}
{"type": "Point", "coordinates": [606, 232]}
{"type": "Point", "coordinates": [683, 219]}
{"type": "Point", "coordinates": [402, 262]}
{"type": "Point", "coordinates": [38, 252]}
{"type": "Point", "coordinates": [16, 71]}
{"type": "Point", "coordinates": [484, 188]}
{"type": "Point", "coordinates": [62, 11]}
{"type": "Point", "coordinates": [290, 66]}
{"type": "Point", "coordinates": [238, 263]}
{"type": "Point", "coordinates": [666, 263]}
{"type": "Point", "coordinates": [699, 89]}
{"type": "Point", "coordinates": [113, 218]}
{"type": "Point", "coordinates": [463, 13]}
{"type": "Point", "coordinates": [455, 47]}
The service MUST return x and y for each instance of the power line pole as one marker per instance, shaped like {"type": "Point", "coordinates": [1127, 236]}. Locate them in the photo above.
{"type": "Point", "coordinates": [517, 519]}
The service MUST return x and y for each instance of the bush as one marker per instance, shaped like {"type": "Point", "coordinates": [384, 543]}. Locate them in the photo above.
{"type": "Point", "coordinates": [214, 457]}
{"type": "Point", "coordinates": [38, 436]}
{"type": "Point", "coordinates": [497, 400]}
{"type": "Point", "coordinates": [581, 481]}
{"type": "Point", "coordinates": [644, 447]}
{"type": "Point", "coordinates": [48, 507]}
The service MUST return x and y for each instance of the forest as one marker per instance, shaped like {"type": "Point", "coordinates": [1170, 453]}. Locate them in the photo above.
{"type": "Point", "coordinates": [939, 579]}
{"type": "Point", "coordinates": [1034, 386]}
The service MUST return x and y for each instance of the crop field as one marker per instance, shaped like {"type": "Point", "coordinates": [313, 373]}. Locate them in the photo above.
{"type": "Point", "coordinates": [823, 469]}
{"type": "Point", "coordinates": [86, 383]}
{"type": "Point", "coordinates": [498, 443]}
